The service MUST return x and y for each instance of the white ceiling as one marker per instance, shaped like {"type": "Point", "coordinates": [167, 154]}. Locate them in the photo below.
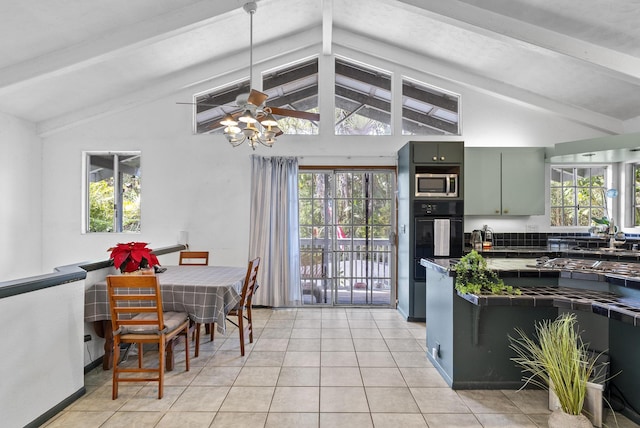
{"type": "Point", "coordinates": [68, 61]}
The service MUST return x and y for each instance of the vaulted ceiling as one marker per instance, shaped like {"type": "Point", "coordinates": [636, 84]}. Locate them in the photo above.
{"type": "Point", "coordinates": [70, 61]}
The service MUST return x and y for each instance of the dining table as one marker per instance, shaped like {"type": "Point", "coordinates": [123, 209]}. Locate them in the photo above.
{"type": "Point", "coordinates": [206, 293]}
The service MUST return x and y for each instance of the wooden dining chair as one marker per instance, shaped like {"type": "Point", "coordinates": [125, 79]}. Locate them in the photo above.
{"type": "Point", "coordinates": [197, 258]}
{"type": "Point", "coordinates": [242, 311]}
{"type": "Point", "coordinates": [137, 317]}
{"type": "Point", "coordinates": [194, 258]}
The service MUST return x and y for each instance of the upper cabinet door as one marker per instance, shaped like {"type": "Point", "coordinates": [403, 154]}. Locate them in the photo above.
{"type": "Point", "coordinates": [482, 188]}
{"type": "Point", "coordinates": [451, 152]}
{"type": "Point", "coordinates": [523, 181]}
{"type": "Point", "coordinates": [443, 152]}
{"type": "Point", "coordinates": [504, 181]}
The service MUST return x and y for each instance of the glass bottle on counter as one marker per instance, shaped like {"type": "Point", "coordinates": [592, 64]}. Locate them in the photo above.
{"type": "Point", "coordinates": [488, 237]}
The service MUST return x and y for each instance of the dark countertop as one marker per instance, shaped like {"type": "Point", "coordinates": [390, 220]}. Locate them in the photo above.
{"type": "Point", "coordinates": [624, 309]}
{"type": "Point", "coordinates": [526, 268]}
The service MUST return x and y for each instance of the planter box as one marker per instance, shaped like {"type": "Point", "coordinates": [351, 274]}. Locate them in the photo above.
{"type": "Point", "coordinates": [593, 404]}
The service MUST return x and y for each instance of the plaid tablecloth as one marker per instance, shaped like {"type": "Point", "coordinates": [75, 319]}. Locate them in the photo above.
{"type": "Point", "coordinates": [206, 293]}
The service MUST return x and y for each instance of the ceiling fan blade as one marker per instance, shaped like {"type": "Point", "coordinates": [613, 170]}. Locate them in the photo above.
{"type": "Point", "coordinates": [257, 98]}
{"type": "Point", "coordinates": [295, 113]}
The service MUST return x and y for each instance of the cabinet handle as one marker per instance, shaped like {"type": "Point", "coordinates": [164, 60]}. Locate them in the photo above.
{"type": "Point", "coordinates": [506, 211]}
{"type": "Point", "coordinates": [435, 158]}
{"type": "Point", "coordinates": [441, 157]}
{"type": "Point", "coordinates": [497, 211]}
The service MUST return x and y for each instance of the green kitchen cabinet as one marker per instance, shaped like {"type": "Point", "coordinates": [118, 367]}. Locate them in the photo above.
{"type": "Point", "coordinates": [438, 152]}
{"type": "Point", "coordinates": [504, 181]}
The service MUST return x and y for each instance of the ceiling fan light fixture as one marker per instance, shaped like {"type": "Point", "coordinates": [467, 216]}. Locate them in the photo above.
{"type": "Point", "coordinates": [228, 121]}
{"type": "Point", "coordinates": [235, 139]}
{"type": "Point", "coordinates": [248, 117]}
{"type": "Point", "coordinates": [269, 137]}
{"type": "Point", "coordinates": [269, 121]}
{"type": "Point", "coordinates": [232, 130]}
{"type": "Point", "coordinates": [247, 127]}
{"type": "Point", "coordinates": [251, 131]}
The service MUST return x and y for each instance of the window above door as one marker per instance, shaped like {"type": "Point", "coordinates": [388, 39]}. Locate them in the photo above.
{"type": "Point", "coordinates": [363, 100]}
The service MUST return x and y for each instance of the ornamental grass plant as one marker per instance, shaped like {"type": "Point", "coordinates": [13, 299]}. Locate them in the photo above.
{"type": "Point", "coordinates": [558, 359]}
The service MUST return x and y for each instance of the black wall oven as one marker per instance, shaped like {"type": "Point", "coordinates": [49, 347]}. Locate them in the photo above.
{"type": "Point", "coordinates": [438, 231]}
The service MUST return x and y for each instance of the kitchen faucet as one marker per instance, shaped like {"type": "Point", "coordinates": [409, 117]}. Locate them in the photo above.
{"type": "Point", "coordinates": [612, 233]}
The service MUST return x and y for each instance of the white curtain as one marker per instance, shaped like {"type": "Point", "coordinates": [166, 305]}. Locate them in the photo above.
{"type": "Point", "coordinates": [274, 230]}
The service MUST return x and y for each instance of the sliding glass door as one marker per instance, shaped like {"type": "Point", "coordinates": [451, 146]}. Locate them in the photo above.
{"type": "Point", "coordinates": [347, 224]}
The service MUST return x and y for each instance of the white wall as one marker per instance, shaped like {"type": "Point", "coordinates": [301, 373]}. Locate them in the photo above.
{"type": "Point", "coordinates": [41, 360]}
{"type": "Point", "coordinates": [20, 199]}
{"type": "Point", "coordinates": [201, 184]}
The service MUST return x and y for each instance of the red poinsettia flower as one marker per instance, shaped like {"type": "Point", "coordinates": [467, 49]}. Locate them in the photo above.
{"type": "Point", "coordinates": [132, 256]}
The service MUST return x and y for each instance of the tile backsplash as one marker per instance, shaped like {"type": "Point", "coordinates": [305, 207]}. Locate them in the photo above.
{"type": "Point", "coordinates": [542, 239]}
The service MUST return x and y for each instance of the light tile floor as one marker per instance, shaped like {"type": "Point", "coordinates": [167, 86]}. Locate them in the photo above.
{"type": "Point", "coordinates": [329, 367]}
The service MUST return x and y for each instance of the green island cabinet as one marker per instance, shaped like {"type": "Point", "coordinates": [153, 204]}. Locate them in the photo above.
{"type": "Point", "coordinates": [504, 181]}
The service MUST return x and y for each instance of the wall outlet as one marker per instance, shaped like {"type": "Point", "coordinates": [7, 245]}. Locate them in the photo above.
{"type": "Point", "coordinates": [531, 228]}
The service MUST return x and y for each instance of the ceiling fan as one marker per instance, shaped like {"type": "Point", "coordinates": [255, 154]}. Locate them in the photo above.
{"type": "Point", "coordinates": [253, 112]}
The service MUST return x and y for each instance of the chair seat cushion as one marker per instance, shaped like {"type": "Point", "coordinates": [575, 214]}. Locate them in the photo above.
{"type": "Point", "coordinates": [172, 320]}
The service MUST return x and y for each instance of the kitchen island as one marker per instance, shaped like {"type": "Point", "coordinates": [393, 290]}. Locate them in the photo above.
{"type": "Point", "coordinates": [467, 335]}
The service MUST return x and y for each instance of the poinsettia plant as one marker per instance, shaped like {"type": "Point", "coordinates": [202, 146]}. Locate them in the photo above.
{"type": "Point", "coordinates": [133, 256]}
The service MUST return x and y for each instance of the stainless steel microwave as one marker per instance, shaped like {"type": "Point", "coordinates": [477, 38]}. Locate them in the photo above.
{"type": "Point", "coordinates": [437, 185]}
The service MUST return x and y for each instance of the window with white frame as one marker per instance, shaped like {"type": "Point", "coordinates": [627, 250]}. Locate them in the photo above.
{"type": "Point", "coordinates": [295, 88]}
{"type": "Point", "coordinates": [112, 192]}
{"type": "Point", "coordinates": [428, 111]}
{"type": "Point", "coordinates": [363, 100]}
{"type": "Point", "coordinates": [578, 195]}
{"type": "Point", "coordinates": [212, 106]}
